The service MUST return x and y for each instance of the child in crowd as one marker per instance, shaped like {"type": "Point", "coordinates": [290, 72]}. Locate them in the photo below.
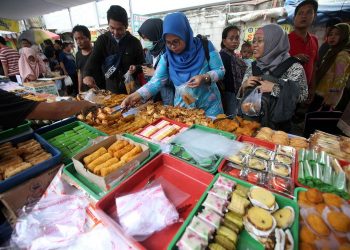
{"type": "Point", "coordinates": [247, 53]}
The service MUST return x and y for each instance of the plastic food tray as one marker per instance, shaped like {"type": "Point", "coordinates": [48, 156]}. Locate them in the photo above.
{"type": "Point", "coordinates": [93, 190]}
{"type": "Point", "coordinates": [265, 144]}
{"type": "Point", "coordinates": [213, 168]}
{"type": "Point", "coordinates": [245, 241]}
{"type": "Point", "coordinates": [24, 127]}
{"type": "Point", "coordinates": [66, 158]}
{"type": "Point", "coordinates": [34, 170]}
{"type": "Point", "coordinates": [55, 125]}
{"type": "Point", "coordinates": [187, 178]}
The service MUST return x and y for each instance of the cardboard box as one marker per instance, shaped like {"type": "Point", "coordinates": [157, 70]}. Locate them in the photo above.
{"type": "Point", "coordinates": [30, 191]}
{"type": "Point", "coordinates": [48, 87]}
{"type": "Point", "coordinates": [106, 182]}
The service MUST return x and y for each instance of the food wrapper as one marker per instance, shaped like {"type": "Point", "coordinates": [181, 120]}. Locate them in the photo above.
{"type": "Point", "coordinates": [143, 213]}
{"type": "Point", "coordinates": [301, 155]}
{"type": "Point", "coordinates": [130, 84]}
{"type": "Point", "coordinates": [307, 171]}
{"type": "Point", "coordinates": [253, 176]}
{"type": "Point", "coordinates": [317, 173]}
{"type": "Point", "coordinates": [301, 172]}
{"type": "Point", "coordinates": [327, 175]}
{"type": "Point", "coordinates": [187, 94]}
{"type": "Point", "coordinates": [311, 155]}
{"type": "Point", "coordinates": [251, 105]}
{"type": "Point", "coordinates": [284, 186]}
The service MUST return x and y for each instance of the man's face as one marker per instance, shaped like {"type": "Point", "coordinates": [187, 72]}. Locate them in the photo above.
{"type": "Point", "coordinates": [82, 41]}
{"type": "Point", "coordinates": [305, 16]}
{"type": "Point", "coordinates": [117, 29]}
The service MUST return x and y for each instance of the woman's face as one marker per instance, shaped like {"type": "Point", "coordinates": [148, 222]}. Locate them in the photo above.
{"type": "Point", "coordinates": [258, 44]}
{"type": "Point", "coordinates": [333, 38]}
{"type": "Point", "coordinates": [231, 42]}
{"type": "Point", "coordinates": [174, 43]}
{"type": "Point", "coordinates": [31, 59]}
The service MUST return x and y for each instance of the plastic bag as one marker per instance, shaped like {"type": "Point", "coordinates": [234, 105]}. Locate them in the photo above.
{"type": "Point", "coordinates": [145, 212]}
{"type": "Point", "coordinates": [94, 97]}
{"type": "Point", "coordinates": [202, 145]}
{"type": "Point", "coordinates": [53, 222]}
{"type": "Point", "coordinates": [68, 81]}
{"type": "Point", "coordinates": [187, 94]}
{"type": "Point", "coordinates": [130, 83]}
{"type": "Point", "coordinates": [251, 105]}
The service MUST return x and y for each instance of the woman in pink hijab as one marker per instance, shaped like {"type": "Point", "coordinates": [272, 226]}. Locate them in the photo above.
{"type": "Point", "coordinates": [31, 66]}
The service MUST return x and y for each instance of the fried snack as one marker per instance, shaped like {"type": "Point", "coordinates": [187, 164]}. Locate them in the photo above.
{"type": "Point", "coordinates": [307, 246]}
{"type": "Point", "coordinates": [101, 159]}
{"type": "Point", "coordinates": [88, 159]}
{"type": "Point", "coordinates": [132, 153]}
{"type": "Point", "coordinates": [118, 154]}
{"type": "Point", "coordinates": [317, 224]}
{"type": "Point", "coordinates": [37, 160]}
{"type": "Point", "coordinates": [117, 145]}
{"type": "Point", "coordinates": [306, 235]}
{"type": "Point", "coordinates": [313, 195]}
{"type": "Point", "coordinates": [38, 153]}
{"type": "Point", "coordinates": [339, 221]}
{"type": "Point", "coordinates": [30, 149]}
{"type": "Point", "coordinates": [320, 207]}
{"type": "Point", "coordinates": [31, 141]}
{"type": "Point", "coordinates": [333, 200]}
{"type": "Point", "coordinates": [106, 171]}
{"type": "Point", "coordinates": [97, 169]}
{"type": "Point", "coordinates": [16, 169]}
{"type": "Point", "coordinates": [5, 145]}
{"type": "Point", "coordinates": [10, 162]}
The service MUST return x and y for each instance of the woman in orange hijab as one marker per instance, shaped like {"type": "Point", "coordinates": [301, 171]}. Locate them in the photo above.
{"type": "Point", "coordinates": [31, 66]}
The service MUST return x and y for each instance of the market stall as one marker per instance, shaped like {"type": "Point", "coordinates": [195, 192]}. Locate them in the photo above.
{"type": "Point", "coordinates": [161, 177]}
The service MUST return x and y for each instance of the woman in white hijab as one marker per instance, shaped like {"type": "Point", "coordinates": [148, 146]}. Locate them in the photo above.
{"type": "Point", "coordinates": [280, 78]}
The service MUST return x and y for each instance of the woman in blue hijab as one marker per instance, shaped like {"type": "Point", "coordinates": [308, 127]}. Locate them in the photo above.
{"type": "Point", "coordinates": [185, 63]}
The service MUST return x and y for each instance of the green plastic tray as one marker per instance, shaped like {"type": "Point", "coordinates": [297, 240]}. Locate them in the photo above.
{"type": "Point", "coordinates": [25, 126]}
{"type": "Point", "coordinates": [96, 192]}
{"type": "Point", "coordinates": [214, 168]}
{"type": "Point", "coordinates": [296, 192]}
{"type": "Point", "coordinates": [245, 241]}
{"type": "Point", "coordinates": [66, 158]}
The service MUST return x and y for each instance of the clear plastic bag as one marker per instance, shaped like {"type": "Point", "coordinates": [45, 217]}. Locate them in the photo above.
{"type": "Point", "coordinates": [53, 222]}
{"type": "Point", "coordinates": [187, 94]}
{"type": "Point", "coordinates": [130, 83]}
{"type": "Point", "coordinates": [202, 145]}
{"type": "Point", "coordinates": [145, 212]}
{"type": "Point", "coordinates": [251, 105]}
{"type": "Point", "coordinates": [68, 81]}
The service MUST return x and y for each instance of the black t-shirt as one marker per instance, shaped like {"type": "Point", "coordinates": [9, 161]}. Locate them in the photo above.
{"type": "Point", "coordinates": [14, 109]}
{"type": "Point", "coordinates": [98, 75]}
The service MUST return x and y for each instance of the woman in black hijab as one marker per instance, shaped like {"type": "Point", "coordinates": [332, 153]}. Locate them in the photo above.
{"type": "Point", "coordinates": [151, 32]}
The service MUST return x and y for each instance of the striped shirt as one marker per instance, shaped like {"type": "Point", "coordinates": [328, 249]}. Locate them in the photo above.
{"type": "Point", "coordinates": [10, 58]}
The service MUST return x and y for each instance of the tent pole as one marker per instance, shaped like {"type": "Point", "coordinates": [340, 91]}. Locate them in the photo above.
{"type": "Point", "coordinates": [98, 19]}
{"type": "Point", "coordinates": [70, 18]}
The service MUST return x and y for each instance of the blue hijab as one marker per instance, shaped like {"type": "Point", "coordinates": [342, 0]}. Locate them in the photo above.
{"type": "Point", "coordinates": [188, 63]}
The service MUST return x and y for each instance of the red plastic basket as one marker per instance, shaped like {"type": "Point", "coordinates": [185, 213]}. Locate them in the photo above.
{"type": "Point", "coordinates": [185, 177]}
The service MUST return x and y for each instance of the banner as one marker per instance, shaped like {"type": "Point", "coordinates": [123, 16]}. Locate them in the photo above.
{"type": "Point", "coordinates": [250, 31]}
{"type": "Point", "coordinates": [137, 21]}
{"type": "Point", "coordinates": [9, 25]}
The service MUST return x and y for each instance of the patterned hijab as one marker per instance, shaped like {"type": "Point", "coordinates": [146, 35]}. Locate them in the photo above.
{"type": "Point", "coordinates": [276, 47]}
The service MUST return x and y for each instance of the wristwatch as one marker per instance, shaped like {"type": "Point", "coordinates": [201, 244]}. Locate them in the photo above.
{"type": "Point", "coordinates": [207, 78]}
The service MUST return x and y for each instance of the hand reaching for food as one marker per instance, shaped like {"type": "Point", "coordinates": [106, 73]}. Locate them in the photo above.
{"type": "Point", "coordinates": [131, 100]}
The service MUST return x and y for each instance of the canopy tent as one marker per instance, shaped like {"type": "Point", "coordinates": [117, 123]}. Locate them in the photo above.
{"type": "Point", "coordinates": [326, 10]}
{"type": "Point", "coordinates": [19, 9]}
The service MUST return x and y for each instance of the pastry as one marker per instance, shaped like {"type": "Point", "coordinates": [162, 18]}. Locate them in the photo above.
{"type": "Point", "coordinates": [238, 204]}
{"type": "Point", "coordinates": [216, 204]}
{"type": "Point", "coordinates": [339, 221]}
{"type": "Point", "coordinates": [88, 159]}
{"type": "Point", "coordinates": [215, 246]}
{"type": "Point", "coordinates": [332, 200]}
{"type": "Point", "coordinates": [97, 169]}
{"type": "Point", "coordinates": [122, 151]}
{"type": "Point", "coordinates": [229, 224]}
{"type": "Point", "coordinates": [237, 159]}
{"type": "Point", "coordinates": [225, 183]}
{"type": "Point", "coordinates": [263, 153]}
{"type": "Point", "coordinates": [190, 240]}
{"type": "Point", "coordinates": [262, 197]}
{"type": "Point", "coordinates": [284, 217]}
{"type": "Point", "coordinates": [286, 150]}
{"type": "Point", "coordinates": [260, 218]}
{"type": "Point", "coordinates": [306, 235]}
{"type": "Point", "coordinates": [266, 130]}
{"type": "Point", "coordinates": [345, 246]}
{"type": "Point", "coordinates": [247, 149]}
{"type": "Point", "coordinates": [302, 196]}
{"type": "Point", "coordinates": [101, 159]}
{"type": "Point", "coordinates": [228, 233]}
{"type": "Point", "coordinates": [234, 218]}
{"type": "Point", "coordinates": [201, 228]}
{"type": "Point", "coordinates": [225, 242]}
{"type": "Point", "coordinates": [284, 159]}
{"type": "Point", "coordinates": [15, 169]}
{"type": "Point", "coordinates": [219, 192]}
{"type": "Point", "coordinates": [117, 145]}
{"type": "Point", "coordinates": [257, 163]}
{"type": "Point", "coordinates": [313, 195]}
{"type": "Point", "coordinates": [241, 191]}
{"type": "Point", "coordinates": [307, 246]}
{"type": "Point", "coordinates": [210, 217]}
{"type": "Point", "coordinates": [135, 151]}
{"type": "Point", "coordinates": [320, 207]}
{"type": "Point", "coordinates": [317, 224]}
{"type": "Point", "coordinates": [280, 169]}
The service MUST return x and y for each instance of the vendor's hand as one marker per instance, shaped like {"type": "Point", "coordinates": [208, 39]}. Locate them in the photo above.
{"type": "Point", "coordinates": [251, 81]}
{"type": "Point", "coordinates": [132, 69]}
{"type": "Point", "coordinates": [148, 71]}
{"type": "Point", "coordinates": [303, 58]}
{"type": "Point", "coordinates": [195, 81]}
{"type": "Point", "coordinates": [85, 105]}
{"type": "Point", "coordinates": [266, 86]}
{"type": "Point", "coordinates": [89, 81]}
{"type": "Point", "coordinates": [131, 100]}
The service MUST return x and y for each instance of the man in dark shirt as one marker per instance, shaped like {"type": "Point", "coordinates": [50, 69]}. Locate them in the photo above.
{"type": "Point", "coordinates": [14, 109]}
{"type": "Point", "coordinates": [115, 51]}
{"type": "Point", "coordinates": [82, 37]}
{"type": "Point", "coordinates": [67, 63]}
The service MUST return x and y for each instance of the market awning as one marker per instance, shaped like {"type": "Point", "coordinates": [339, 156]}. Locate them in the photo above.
{"type": "Point", "coordinates": [19, 9]}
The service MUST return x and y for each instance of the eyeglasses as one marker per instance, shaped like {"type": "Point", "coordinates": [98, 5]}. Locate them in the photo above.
{"type": "Point", "coordinates": [173, 43]}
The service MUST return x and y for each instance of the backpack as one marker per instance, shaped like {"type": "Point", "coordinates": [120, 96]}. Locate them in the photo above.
{"type": "Point", "coordinates": [269, 106]}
